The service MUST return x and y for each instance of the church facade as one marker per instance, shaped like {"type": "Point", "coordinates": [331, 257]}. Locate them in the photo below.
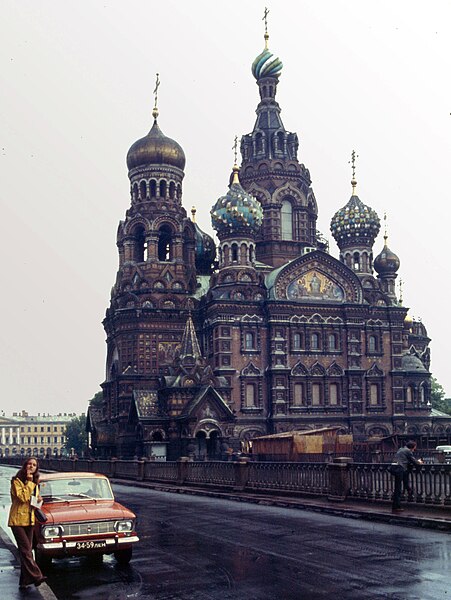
{"type": "Point", "coordinates": [210, 345]}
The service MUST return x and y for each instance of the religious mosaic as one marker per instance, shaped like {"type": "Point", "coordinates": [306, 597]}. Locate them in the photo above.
{"type": "Point", "coordinates": [314, 284]}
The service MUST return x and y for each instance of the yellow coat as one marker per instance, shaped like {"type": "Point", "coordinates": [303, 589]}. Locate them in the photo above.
{"type": "Point", "coordinates": [21, 512]}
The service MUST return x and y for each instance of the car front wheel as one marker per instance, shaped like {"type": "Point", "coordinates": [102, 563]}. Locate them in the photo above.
{"type": "Point", "coordinates": [123, 557]}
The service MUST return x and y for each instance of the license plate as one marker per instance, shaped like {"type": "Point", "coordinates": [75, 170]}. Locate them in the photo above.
{"type": "Point", "coordinates": [89, 545]}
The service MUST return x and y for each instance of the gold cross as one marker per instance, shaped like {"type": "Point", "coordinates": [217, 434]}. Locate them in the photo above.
{"type": "Point", "coordinates": [235, 148]}
{"type": "Point", "coordinates": [265, 19]}
{"type": "Point", "coordinates": [157, 85]}
{"type": "Point", "coordinates": [352, 162]}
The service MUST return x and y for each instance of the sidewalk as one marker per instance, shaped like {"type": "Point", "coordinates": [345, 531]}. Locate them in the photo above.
{"type": "Point", "coordinates": [427, 516]}
{"type": "Point", "coordinates": [10, 571]}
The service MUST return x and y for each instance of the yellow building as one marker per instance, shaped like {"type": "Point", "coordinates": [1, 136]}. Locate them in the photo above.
{"type": "Point", "coordinates": [33, 435]}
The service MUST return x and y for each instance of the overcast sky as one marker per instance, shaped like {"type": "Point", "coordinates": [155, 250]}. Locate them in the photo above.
{"type": "Point", "coordinates": [76, 91]}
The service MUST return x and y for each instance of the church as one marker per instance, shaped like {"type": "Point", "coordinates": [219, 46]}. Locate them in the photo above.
{"type": "Point", "coordinates": [210, 344]}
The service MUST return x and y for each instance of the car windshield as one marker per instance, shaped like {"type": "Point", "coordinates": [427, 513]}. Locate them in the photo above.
{"type": "Point", "coordinates": [75, 489]}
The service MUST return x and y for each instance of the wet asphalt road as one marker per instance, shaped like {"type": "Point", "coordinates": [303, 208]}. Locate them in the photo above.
{"type": "Point", "coordinates": [196, 548]}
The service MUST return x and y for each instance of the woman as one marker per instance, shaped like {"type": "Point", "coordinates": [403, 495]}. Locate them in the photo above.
{"type": "Point", "coordinates": [21, 520]}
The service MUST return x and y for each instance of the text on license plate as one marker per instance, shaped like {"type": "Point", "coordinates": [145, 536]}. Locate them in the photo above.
{"type": "Point", "coordinates": [89, 545]}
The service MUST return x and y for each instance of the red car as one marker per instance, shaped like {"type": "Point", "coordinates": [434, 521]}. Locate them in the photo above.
{"type": "Point", "coordinates": [82, 519]}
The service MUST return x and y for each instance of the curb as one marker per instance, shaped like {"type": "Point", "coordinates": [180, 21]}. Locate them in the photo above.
{"type": "Point", "coordinates": [370, 511]}
{"type": "Point", "coordinates": [43, 590]}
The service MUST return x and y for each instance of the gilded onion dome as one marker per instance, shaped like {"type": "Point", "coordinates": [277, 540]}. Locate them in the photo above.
{"type": "Point", "coordinates": [155, 149]}
{"type": "Point", "coordinates": [237, 212]}
{"type": "Point", "coordinates": [266, 65]}
{"type": "Point", "coordinates": [386, 262]}
{"type": "Point", "coordinates": [355, 223]}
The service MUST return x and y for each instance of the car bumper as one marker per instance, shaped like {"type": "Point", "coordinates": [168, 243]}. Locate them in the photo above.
{"type": "Point", "coordinates": [69, 546]}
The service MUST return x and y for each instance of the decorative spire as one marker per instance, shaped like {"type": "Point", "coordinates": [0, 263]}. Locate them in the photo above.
{"type": "Point", "coordinates": [400, 291]}
{"type": "Point", "coordinates": [352, 162]}
{"type": "Point", "coordinates": [155, 92]}
{"type": "Point", "coordinates": [265, 19]}
{"type": "Point", "coordinates": [190, 344]}
{"type": "Point", "coordinates": [385, 229]}
{"type": "Point", "coordinates": [193, 214]}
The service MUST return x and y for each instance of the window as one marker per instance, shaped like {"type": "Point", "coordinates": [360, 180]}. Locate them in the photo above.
{"type": "Point", "coordinates": [234, 252]}
{"type": "Point", "coordinates": [286, 220]}
{"type": "Point", "coordinates": [250, 394]}
{"type": "Point", "coordinates": [374, 394]}
{"type": "Point", "coordinates": [165, 244]}
{"type": "Point", "coordinates": [298, 394]}
{"type": "Point", "coordinates": [297, 341]}
{"type": "Point", "coordinates": [249, 340]}
{"type": "Point", "coordinates": [409, 394]}
{"type": "Point", "coordinates": [372, 343]}
{"type": "Point", "coordinates": [333, 394]}
{"type": "Point", "coordinates": [314, 341]}
{"type": "Point", "coordinates": [316, 394]}
{"type": "Point", "coordinates": [332, 342]}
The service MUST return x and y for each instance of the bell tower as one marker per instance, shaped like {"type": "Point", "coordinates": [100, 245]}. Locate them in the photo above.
{"type": "Point", "coordinates": [271, 172]}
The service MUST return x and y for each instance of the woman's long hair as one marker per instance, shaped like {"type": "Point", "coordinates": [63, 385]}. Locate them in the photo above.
{"type": "Point", "coordinates": [22, 472]}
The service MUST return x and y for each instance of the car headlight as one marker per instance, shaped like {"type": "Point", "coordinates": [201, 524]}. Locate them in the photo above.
{"type": "Point", "coordinates": [52, 531]}
{"type": "Point", "coordinates": [123, 526]}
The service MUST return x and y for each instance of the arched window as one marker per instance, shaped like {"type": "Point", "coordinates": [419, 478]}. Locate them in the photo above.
{"type": "Point", "coordinates": [422, 394]}
{"type": "Point", "coordinates": [172, 190]}
{"type": "Point", "coordinates": [234, 252]}
{"type": "Point", "coordinates": [135, 191]}
{"type": "Point", "coordinates": [259, 142]}
{"type": "Point", "coordinates": [409, 394]}
{"type": "Point", "coordinates": [297, 341]}
{"type": "Point", "coordinates": [143, 190]}
{"type": "Point", "coordinates": [332, 342]}
{"type": "Point", "coordinates": [249, 340]}
{"type": "Point", "coordinates": [356, 261]}
{"type": "Point", "coordinates": [333, 394]}
{"type": "Point", "coordinates": [286, 220]}
{"type": "Point", "coordinates": [314, 341]}
{"type": "Point", "coordinates": [163, 188]}
{"type": "Point", "coordinates": [316, 394]}
{"type": "Point", "coordinates": [165, 244]}
{"type": "Point", "coordinates": [250, 394]}
{"type": "Point", "coordinates": [153, 188]}
{"type": "Point", "coordinates": [139, 245]}
{"type": "Point", "coordinates": [298, 394]}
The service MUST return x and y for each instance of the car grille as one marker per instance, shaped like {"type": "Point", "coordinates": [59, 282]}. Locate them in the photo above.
{"type": "Point", "coordinates": [89, 528]}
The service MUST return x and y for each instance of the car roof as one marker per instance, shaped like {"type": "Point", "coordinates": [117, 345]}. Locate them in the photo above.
{"type": "Point", "coordinates": [444, 447]}
{"type": "Point", "coordinates": [70, 475]}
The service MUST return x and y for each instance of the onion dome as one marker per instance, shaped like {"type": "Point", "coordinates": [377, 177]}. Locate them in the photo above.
{"type": "Point", "coordinates": [412, 364]}
{"type": "Point", "coordinates": [355, 223]}
{"type": "Point", "coordinates": [155, 149]}
{"type": "Point", "coordinates": [266, 65]}
{"type": "Point", "coordinates": [237, 212]}
{"type": "Point", "coordinates": [408, 322]}
{"type": "Point", "coordinates": [386, 262]}
{"type": "Point", "coordinates": [205, 251]}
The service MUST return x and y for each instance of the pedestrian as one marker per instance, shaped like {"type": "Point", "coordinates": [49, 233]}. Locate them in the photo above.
{"type": "Point", "coordinates": [21, 520]}
{"type": "Point", "coordinates": [406, 460]}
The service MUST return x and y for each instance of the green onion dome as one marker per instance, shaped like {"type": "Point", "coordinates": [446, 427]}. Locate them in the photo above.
{"type": "Point", "coordinates": [266, 65]}
{"type": "Point", "coordinates": [237, 212]}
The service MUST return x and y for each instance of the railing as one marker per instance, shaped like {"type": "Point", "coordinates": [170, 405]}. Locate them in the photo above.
{"type": "Point", "coordinates": [430, 483]}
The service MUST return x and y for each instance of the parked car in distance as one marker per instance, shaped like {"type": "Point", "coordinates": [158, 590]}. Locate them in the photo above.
{"type": "Point", "coordinates": [83, 519]}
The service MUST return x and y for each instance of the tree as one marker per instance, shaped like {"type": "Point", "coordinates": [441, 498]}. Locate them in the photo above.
{"type": "Point", "coordinates": [438, 400]}
{"type": "Point", "coordinates": [76, 436]}
{"type": "Point", "coordinates": [96, 400]}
